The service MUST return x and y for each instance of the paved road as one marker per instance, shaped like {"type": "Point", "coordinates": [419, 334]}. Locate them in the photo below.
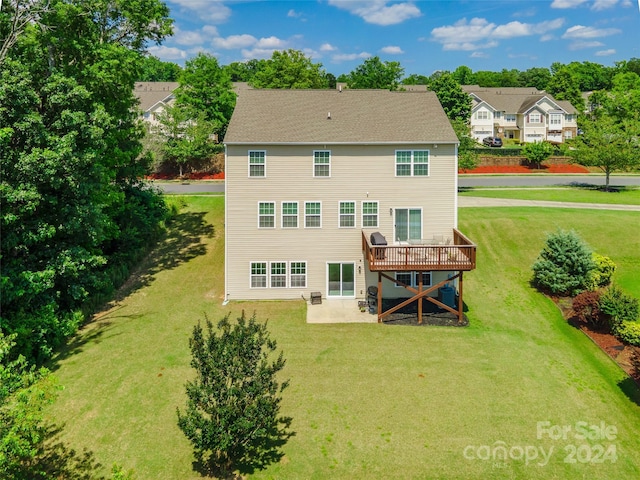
{"type": "Point", "coordinates": [464, 181]}
{"type": "Point", "coordinates": [545, 180]}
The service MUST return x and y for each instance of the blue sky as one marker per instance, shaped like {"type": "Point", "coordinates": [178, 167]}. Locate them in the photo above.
{"type": "Point", "coordinates": [424, 36]}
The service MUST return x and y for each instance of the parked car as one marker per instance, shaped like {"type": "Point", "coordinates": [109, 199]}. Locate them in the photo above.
{"type": "Point", "coordinates": [492, 141]}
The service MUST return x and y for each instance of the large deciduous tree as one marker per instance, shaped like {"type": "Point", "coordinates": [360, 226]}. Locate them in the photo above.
{"type": "Point", "coordinates": [610, 137]}
{"type": "Point", "coordinates": [455, 101]}
{"type": "Point", "coordinates": [374, 73]}
{"type": "Point", "coordinates": [290, 69]}
{"type": "Point", "coordinates": [74, 212]}
{"type": "Point", "coordinates": [205, 88]}
{"type": "Point", "coordinates": [232, 416]}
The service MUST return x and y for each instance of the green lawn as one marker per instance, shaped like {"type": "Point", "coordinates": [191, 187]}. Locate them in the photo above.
{"type": "Point", "coordinates": [369, 401]}
{"type": "Point", "coordinates": [629, 195]}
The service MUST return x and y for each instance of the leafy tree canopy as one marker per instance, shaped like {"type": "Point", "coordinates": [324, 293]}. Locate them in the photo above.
{"type": "Point", "coordinates": [455, 101]}
{"type": "Point", "coordinates": [233, 416]}
{"type": "Point", "coordinates": [374, 73]}
{"type": "Point", "coordinates": [155, 70]}
{"type": "Point", "coordinates": [290, 69]}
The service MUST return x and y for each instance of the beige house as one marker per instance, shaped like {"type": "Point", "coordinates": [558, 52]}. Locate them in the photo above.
{"type": "Point", "coordinates": [340, 193]}
{"type": "Point", "coordinates": [154, 97]}
{"type": "Point", "coordinates": [523, 114]}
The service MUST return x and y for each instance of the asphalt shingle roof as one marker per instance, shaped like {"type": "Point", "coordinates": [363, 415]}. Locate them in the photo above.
{"type": "Point", "coordinates": [332, 116]}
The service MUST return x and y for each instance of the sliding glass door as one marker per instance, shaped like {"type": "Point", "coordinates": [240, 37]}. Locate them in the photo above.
{"type": "Point", "coordinates": [341, 279]}
{"type": "Point", "coordinates": [408, 224]}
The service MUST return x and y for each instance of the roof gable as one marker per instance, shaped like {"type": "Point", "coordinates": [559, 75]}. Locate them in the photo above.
{"type": "Point", "coordinates": [270, 116]}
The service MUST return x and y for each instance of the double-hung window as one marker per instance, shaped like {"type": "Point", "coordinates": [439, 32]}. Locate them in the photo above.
{"type": "Point", "coordinates": [322, 163]}
{"type": "Point", "coordinates": [555, 119]}
{"type": "Point", "coordinates": [258, 274]}
{"type": "Point", "coordinates": [369, 214]}
{"type": "Point", "coordinates": [535, 117]}
{"type": "Point", "coordinates": [278, 277]}
{"type": "Point", "coordinates": [347, 215]}
{"type": "Point", "coordinates": [412, 279]}
{"type": "Point", "coordinates": [312, 215]}
{"type": "Point", "coordinates": [298, 274]}
{"type": "Point", "coordinates": [482, 115]}
{"type": "Point", "coordinates": [289, 214]}
{"type": "Point", "coordinates": [257, 163]}
{"type": "Point", "coordinates": [266, 215]}
{"type": "Point", "coordinates": [412, 163]}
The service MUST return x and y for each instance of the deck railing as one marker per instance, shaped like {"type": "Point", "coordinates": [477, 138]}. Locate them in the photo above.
{"type": "Point", "coordinates": [421, 255]}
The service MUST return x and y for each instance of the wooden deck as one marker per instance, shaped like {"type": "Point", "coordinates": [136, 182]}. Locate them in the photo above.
{"type": "Point", "coordinates": [424, 255]}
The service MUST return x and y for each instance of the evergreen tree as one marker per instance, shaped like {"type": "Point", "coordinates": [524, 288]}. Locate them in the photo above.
{"type": "Point", "coordinates": [232, 416]}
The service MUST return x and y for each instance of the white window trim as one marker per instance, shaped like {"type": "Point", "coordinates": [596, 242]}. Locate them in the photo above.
{"type": "Point", "coordinates": [271, 275]}
{"type": "Point", "coordinates": [377, 225]}
{"type": "Point", "coordinates": [305, 213]}
{"type": "Point", "coordinates": [260, 215]}
{"type": "Point", "coordinates": [355, 222]}
{"type": "Point", "coordinates": [413, 163]}
{"type": "Point", "coordinates": [534, 113]}
{"type": "Point", "coordinates": [414, 279]}
{"type": "Point", "coordinates": [314, 164]}
{"type": "Point", "coordinates": [291, 274]}
{"type": "Point", "coordinates": [282, 214]}
{"type": "Point", "coordinates": [251, 275]}
{"type": "Point", "coordinates": [249, 163]}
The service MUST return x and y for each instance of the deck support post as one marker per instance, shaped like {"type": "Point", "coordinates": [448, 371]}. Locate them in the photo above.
{"type": "Point", "coordinates": [379, 297]}
{"type": "Point", "coordinates": [460, 302]}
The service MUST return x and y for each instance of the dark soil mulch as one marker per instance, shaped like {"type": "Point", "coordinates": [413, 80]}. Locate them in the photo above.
{"type": "Point", "coordinates": [431, 315]}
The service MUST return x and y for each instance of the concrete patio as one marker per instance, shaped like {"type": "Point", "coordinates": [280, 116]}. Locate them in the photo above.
{"type": "Point", "coordinates": [338, 311]}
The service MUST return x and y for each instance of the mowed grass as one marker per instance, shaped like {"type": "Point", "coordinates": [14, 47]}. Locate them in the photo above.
{"type": "Point", "coordinates": [624, 195]}
{"type": "Point", "coordinates": [369, 401]}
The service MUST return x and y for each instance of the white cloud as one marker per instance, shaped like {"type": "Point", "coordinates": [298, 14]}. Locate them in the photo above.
{"type": "Point", "coordinates": [214, 11]}
{"type": "Point", "coordinates": [167, 54]}
{"type": "Point", "coordinates": [567, 3]}
{"type": "Point", "coordinates": [379, 12]}
{"type": "Point", "coordinates": [271, 42]}
{"type": "Point", "coordinates": [257, 53]}
{"type": "Point", "coordinates": [187, 38]}
{"type": "Point", "coordinates": [478, 33]}
{"type": "Point", "coordinates": [581, 45]}
{"type": "Point", "coordinates": [582, 32]}
{"type": "Point", "coordinates": [605, 53]}
{"type": "Point", "coordinates": [479, 55]}
{"type": "Point", "coordinates": [234, 41]}
{"type": "Point", "coordinates": [392, 50]}
{"type": "Point", "coordinates": [603, 4]}
{"type": "Point", "coordinates": [293, 14]}
{"type": "Point", "coordinates": [327, 47]}
{"type": "Point", "coordinates": [346, 57]}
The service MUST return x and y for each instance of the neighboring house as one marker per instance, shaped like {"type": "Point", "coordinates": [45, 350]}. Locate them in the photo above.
{"type": "Point", "coordinates": [312, 174]}
{"type": "Point", "coordinates": [523, 114]}
{"type": "Point", "coordinates": [154, 97]}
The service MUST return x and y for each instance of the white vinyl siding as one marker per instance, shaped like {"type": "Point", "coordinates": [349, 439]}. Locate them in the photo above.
{"type": "Point", "coordinates": [312, 215]}
{"type": "Point", "coordinates": [370, 214]}
{"type": "Point", "coordinates": [347, 216]}
{"type": "Point", "coordinates": [289, 214]}
{"type": "Point", "coordinates": [257, 163]}
{"type": "Point", "coordinates": [322, 163]}
{"type": "Point", "coordinates": [266, 215]}
{"type": "Point", "coordinates": [412, 163]}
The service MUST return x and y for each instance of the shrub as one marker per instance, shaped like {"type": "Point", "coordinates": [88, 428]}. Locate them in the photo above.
{"type": "Point", "coordinates": [601, 275]}
{"type": "Point", "coordinates": [629, 332]}
{"type": "Point", "coordinates": [564, 264]}
{"type": "Point", "coordinates": [619, 306]}
{"type": "Point", "coordinates": [586, 307]}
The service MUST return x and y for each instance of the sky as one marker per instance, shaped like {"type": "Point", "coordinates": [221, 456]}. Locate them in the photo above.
{"type": "Point", "coordinates": [424, 36]}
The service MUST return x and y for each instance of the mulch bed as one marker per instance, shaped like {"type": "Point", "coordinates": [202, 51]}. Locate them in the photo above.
{"type": "Point", "coordinates": [555, 169]}
{"type": "Point", "coordinates": [608, 343]}
{"type": "Point", "coordinates": [431, 315]}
